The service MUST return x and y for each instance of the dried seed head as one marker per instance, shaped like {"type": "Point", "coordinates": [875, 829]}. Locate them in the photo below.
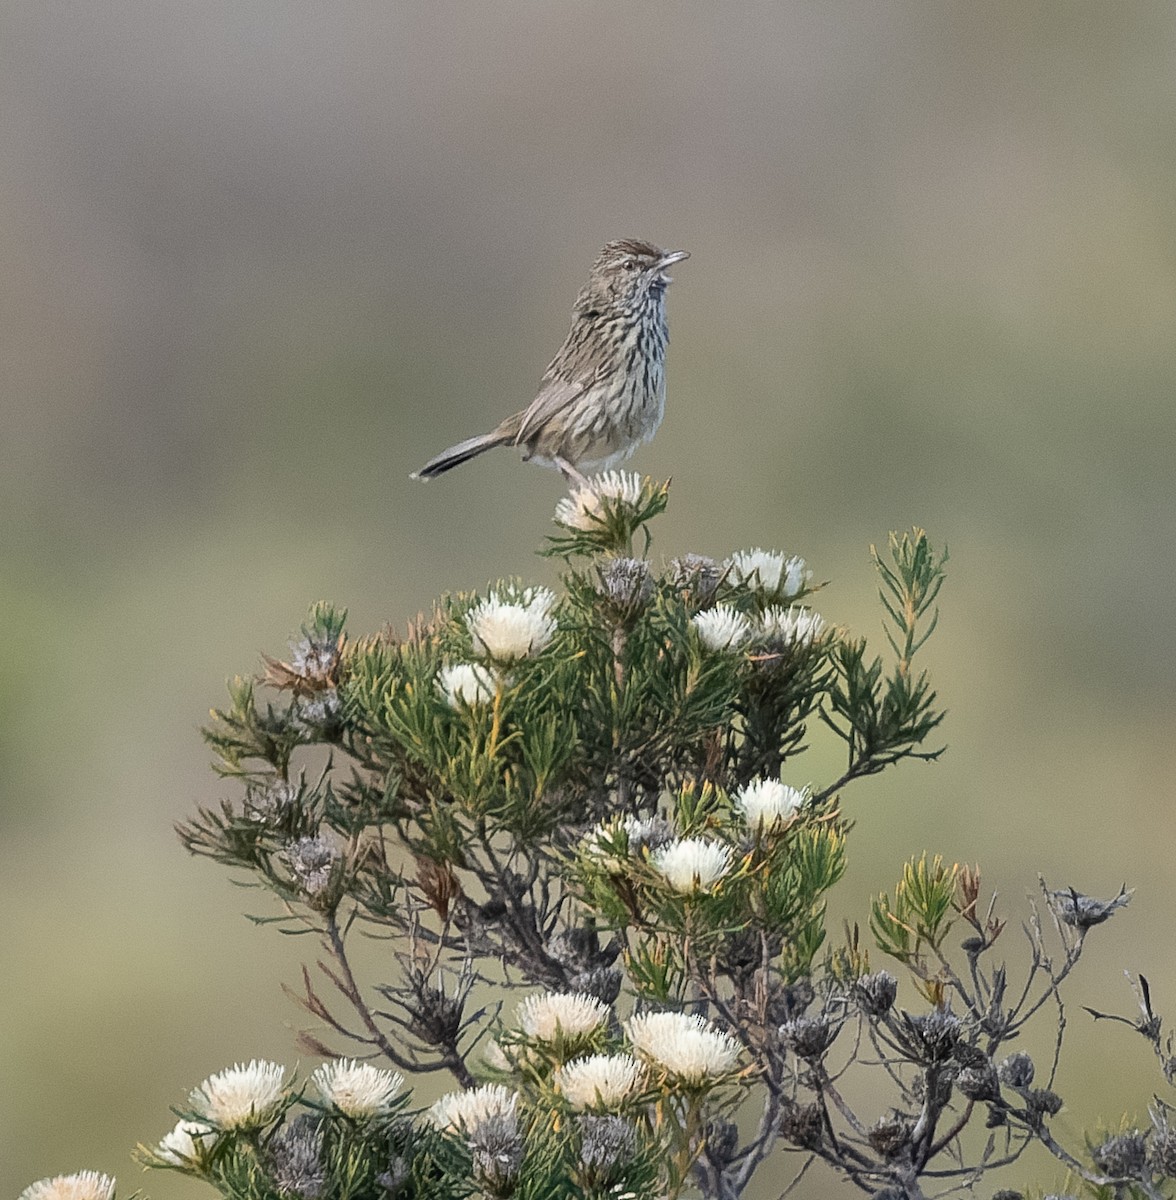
{"type": "Point", "coordinates": [295, 1159]}
{"type": "Point", "coordinates": [934, 1034]}
{"type": "Point", "coordinates": [809, 1037]}
{"type": "Point", "coordinates": [969, 1055]}
{"type": "Point", "coordinates": [602, 982]}
{"type": "Point", "coordinates": [979, 1083]}
{"type": "Point", "coordinates": [497, 1153]}
{"type": "Point", "coordinates": [1125, 1155]}
{"type": "Point", "coordinates": [270, 805]}
{"type": "Point", "coordinates": [588, 964]}
{"type": "Point", "coordinates": [697, 576]}
{"type": "Point", "coordinates": [1161, 1140]}
{"type": "Point", "coordinates": [802, 1125]}
{"type": "Point", "coordinates": [1017, 1071]}
{"type": "Point", "coordinates": [315, 658]}
{"type": "Point", "coordinates": [626, 584]}
{"type": "Point", "coordinates": [875, 993]}
{"type": "Point", "coordinates": [313, 862]}
{"type": "Point", "coordinates": [314, 717]}
{"type": "Point", "coordinates": [890, 1136]}
{"type": "Point", "coordinates": [1041, 1103]}
{"type": "Point", "coordinates": [605, 1143]}
{"type": "Point", "coordinates": [435, 1016]}
{"type": "Point", "coordinates": [1083, 912]}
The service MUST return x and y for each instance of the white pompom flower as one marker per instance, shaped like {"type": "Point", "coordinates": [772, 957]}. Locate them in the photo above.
{"type": "Point", "coordinates": [692, 864]}
{"type": "Point", "coordinates": [466, 683]}
{"type": "Point", "coordinates": [721, 628]}
{"type": "Point", "coordinates": [767, 803]}
{"type": "Point", "coordinates": [357, 1089]}
{"type": "Point", "coordinates": [505, 629]}
{"type": "Point", "coordinates": [639, 831]}
{"type": "Point", "coordinates": [186, 1144]}
{"type": "Point", "coordinates": [689, 1048]}
{"type": "Point", "coordinates": [600, 1081]}
{"type": "Point", "coordinates": [495, 1057]}
{"type": "Point", "coordinates": [550, 1015]}
{"type": "Point", "coordinates": [241, 1097]}
{"type": "Point", "coordinates": [461, 1112]}
{"type": "Point", "coordinates": [584, 508]}
{"type": "Point", "coordinates": [792, 626]}
{"type": "Point", "coordinates": [83, 1185]}
{"type": "Point", "coordinates": [769, 572]}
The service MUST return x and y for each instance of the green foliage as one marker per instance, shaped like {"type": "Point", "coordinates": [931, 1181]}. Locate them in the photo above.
{"type": "Point", "coordinates": [886, 716]}
{"type": "Point", "coordinates": [920, 915]}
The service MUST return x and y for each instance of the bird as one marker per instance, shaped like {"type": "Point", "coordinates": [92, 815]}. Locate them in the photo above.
{"type": "Point", "coordinates": [604, 393]}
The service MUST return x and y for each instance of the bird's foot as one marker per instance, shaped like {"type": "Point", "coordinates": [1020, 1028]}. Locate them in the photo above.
{"type": "Point", "coordinates": [574, 478]}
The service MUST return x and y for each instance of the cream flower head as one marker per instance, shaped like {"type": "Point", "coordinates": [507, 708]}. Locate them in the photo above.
{"type": "Point", "coordinates": [84, 1185]}
{"type": "Point", "coordinates": [688, 1047]}
{"type": "Point", "coordinates": [790, 626]}
{"type": "Point", "coordinates": [639, 831]}
{"type": "Point", "coordinates": [768, 803]}
{"type": "Point", "coordinates": [241, 1097]}
{"type": "Point", "coordinates": [548, 1015]}
{"type": "Point", "coordinates": [357, 1089]}
{"type": "Point", "coordinates": [769, 572]}
{"type": "Point", "coordinates": [466, 683]}
{"type": "Point", "coordinates": [186, 1144]}
{"type": "Point", "coordinates": [460, 1112]}
{"type": "Point", "coordinates": [600, 1081]}
{"type": "Point", "coordinates": [496, 1057]}
{"type": "Point", "coordinates": [721, 628]}
{"type": "Point", "coordinates": [692, 864]}
{"type": "Point", "coordinates": [508, 629]}
{"type": "Point", "coordinates": [584, 508]}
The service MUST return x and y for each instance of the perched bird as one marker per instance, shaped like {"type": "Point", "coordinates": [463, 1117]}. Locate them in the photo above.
{"type": "Point", "coordinates": [604, 393]}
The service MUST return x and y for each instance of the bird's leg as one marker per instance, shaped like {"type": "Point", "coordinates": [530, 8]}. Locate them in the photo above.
{"type": "Point", "coordinates": [574, 478]}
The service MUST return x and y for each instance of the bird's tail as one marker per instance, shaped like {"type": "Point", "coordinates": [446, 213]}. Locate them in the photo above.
{"type": "Point", "coordinates": [462, 452]}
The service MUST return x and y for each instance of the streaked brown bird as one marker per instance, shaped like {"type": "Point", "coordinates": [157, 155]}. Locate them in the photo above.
{"type": "Point", "coordinates": [604, 393]}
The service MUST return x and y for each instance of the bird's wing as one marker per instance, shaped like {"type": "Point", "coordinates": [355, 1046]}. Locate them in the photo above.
{"type": "Point", "coordinates": [554, 396]}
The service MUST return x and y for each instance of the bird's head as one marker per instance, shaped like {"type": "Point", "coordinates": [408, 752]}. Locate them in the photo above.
{"type": "Point", "coordinates": [627, 271]}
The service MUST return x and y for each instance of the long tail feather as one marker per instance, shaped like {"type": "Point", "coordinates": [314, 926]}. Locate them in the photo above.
{"type": "Point", "coordinates": [456, 455]}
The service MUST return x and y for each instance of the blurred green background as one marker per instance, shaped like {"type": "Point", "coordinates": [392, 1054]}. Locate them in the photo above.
{"type": "Point", "coordinates": [259, 261]}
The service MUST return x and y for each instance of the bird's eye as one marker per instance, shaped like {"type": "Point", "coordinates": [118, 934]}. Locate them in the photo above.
{"type": "Point", "coordinates": [629, 263]}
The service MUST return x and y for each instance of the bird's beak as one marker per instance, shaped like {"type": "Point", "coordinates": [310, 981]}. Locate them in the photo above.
{"type": "Point", "coordinates": [668, 260]}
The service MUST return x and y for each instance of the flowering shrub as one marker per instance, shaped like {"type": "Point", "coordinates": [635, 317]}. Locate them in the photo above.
{"type": "Point", "coordinates": [597, 800]}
